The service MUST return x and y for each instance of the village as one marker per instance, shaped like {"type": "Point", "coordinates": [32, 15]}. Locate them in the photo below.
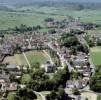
{"type": "Point", "coordinates": [79, 65]}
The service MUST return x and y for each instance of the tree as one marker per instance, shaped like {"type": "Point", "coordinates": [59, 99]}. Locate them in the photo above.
{"type": "Point", "coordinates": [35, 65]}
{"type": "Point", "coordinates": [38, 73]}
{"type": "Point", "coordinates": [52, 31]}
{"type": "Point", "coordinates": [80, 7]}
{"type": "Point", "coordinates": [88, 26]}
{"type": "Point", "coordinates": [38, 27]}
{"type": "Point", "coordinates": [18, 48]}
{"type": "Point", "coordinates": [95, 81]}
{"type": "Point", "coordinates": [61, 94]}
{"type": "Point", "coordinates": [69, 40]}
{"type": "Point", "coordinates": [25, 94]}
{"type": "Point", "coordinates": [51, 96]}
{"type": "Point", "coordinates": [26, 79]}
{"type": "Point", "coordinates": [82, 48]}
{"type": "Point", "coordinates": [41, 81]}
{"type": "Point", "coordinates": [12, 78]}
{"type": "Point", "coordinates": [73, 51]}
{"type": "Point", "coordinates": [49, 19]}
{"type": "Point", "coordinates": [57, 95]}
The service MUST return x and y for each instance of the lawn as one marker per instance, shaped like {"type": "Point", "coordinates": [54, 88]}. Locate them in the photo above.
{"type": "Point", "coordinates": [36, 56]}
{"type": "Point", "coordinates": [17, 59]}
{"type": "Point", "coordinates": [96, 55]}
{"type": "Point", "coordinates": [32, 56]}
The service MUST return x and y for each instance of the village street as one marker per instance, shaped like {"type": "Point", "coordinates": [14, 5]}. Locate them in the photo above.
{"type": "Point", "coordinates": [63, 61]}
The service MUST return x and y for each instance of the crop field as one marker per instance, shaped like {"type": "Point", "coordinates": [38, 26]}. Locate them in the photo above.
{"type": "Point", "coordinates": [36, 15]}
{"type": "Point", "coordinates": [36, 56]}
{"type": "Point", "coordinates": [96, 55]}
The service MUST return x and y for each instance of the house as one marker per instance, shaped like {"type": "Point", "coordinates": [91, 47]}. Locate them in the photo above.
{"type": "Point", "coordinates": [78, 62]}
{"type": "Point", "coordinates": [87, 72]}
{"type": "Point", "coordinates": [80, 84]}
{"type": "Point", "coordinates": [4, 77]}
{"type": "Point", "coordinates": [70, 84]}
{"type": "Point", "coordinates": [11, 67]}
{"type": "Point", "coordinates": [49, 68]}
{"type": "Point", "coordinates": [17, 74]}
{"type": "Point", "coordinates": [3, 85]}
{"type": "Point", "coordinates": [11, 87]}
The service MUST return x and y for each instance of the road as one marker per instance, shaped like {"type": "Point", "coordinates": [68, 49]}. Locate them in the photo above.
{"type": "Point", "coordinates": [62, 59]}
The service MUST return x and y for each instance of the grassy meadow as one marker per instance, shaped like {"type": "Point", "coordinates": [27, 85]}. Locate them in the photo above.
{"type": "Point", "coordinates": [96, 55]}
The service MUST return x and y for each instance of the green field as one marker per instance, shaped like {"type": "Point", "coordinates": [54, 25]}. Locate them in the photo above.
{"type": "Point", "coordinates": [96, 55]}
{"type": "Point", "coordinates": [36, 16]}
{"type": "Point", "coordinates": [17, 59]}
{"type": "Point", "coordinates": [36, 56]}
